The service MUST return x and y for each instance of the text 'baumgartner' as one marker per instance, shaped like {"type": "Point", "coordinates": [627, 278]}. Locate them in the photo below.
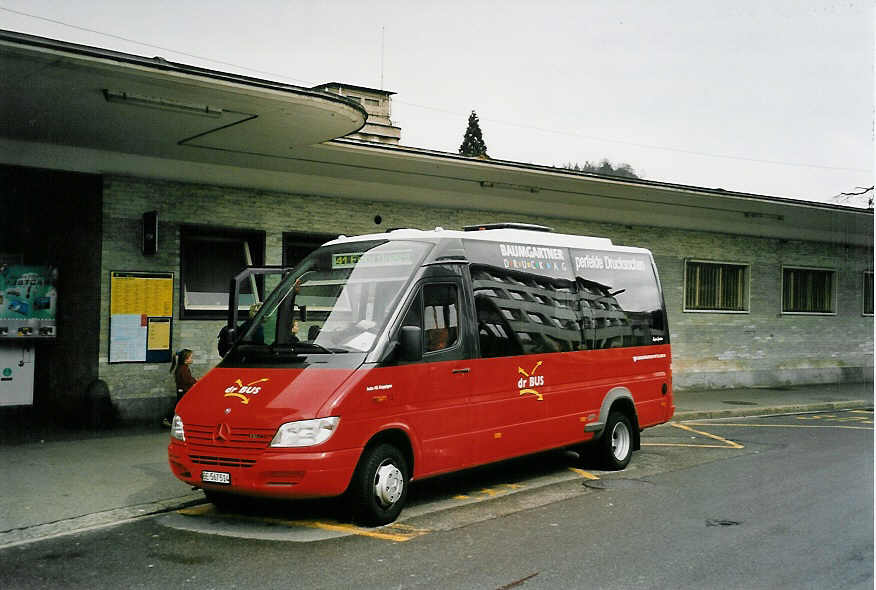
{"type": "Point", "coordinates": [516, 251]}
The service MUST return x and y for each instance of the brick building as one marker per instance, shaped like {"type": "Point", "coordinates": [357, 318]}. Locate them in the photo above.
{"type": "Point", "coordinates": [761, 291]}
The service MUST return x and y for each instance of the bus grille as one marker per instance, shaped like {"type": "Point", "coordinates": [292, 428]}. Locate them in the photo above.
{"type": "Point", "coordinates": [225, 437]}
{"type": "Point", "coordinates": [222, 461]}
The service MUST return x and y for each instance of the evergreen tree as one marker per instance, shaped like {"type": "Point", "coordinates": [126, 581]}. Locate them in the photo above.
{"type": "Point", "coordinates": [603, 167]}
{"type": "Point", "coordinates": [473, 143]}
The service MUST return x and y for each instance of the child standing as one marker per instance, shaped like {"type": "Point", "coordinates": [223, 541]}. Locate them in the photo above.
{"type": "Point", "coordinates": [182, 375]}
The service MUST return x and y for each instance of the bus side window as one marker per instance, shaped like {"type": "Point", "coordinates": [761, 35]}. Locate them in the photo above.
{"type": "Point", "coordinates": [414, 315]}
{"type": "Point", "coordinates": [440, 317]}
{"type": "Point", "coordinates": [494, 333]}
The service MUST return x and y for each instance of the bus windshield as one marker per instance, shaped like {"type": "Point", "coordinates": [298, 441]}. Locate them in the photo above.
{"type": "Point", "coordinates": [347, 291]}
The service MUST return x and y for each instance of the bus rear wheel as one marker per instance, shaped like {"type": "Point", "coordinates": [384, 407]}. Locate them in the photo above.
{"type": "Point", "coordinates": [616, 444]}
{"type": "Point", "coordinates": [380, 486]}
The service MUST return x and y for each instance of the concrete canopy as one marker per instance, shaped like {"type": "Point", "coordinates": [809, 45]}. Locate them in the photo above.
{"type": "Point", "coordinates": [68, 94]}
{"type": "Point", "coordinates": [62, 108]}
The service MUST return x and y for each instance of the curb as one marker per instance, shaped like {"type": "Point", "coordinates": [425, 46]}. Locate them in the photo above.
{"type": "Point", "coordinates": [88, 522]}
{"type": "Point", "coordinates": [768, 410]}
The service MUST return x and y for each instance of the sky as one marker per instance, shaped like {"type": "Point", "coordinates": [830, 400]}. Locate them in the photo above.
{"type": "Point", "coordinates": [772, 98]}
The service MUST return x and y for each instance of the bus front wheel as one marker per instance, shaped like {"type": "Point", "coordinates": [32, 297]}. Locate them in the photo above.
{"type": "Point", "coordinates": [380, 486]}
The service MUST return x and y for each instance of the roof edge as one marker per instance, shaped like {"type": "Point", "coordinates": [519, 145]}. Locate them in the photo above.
{"type": "Point", "coordinates": [617, 179]}
{"type": "Point", "coordinates": [354, 87]}
{"type": "Point", "coordinates": [159, 63]}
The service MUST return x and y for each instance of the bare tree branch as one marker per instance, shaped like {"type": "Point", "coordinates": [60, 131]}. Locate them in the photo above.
{"type": "Point", "coordinates": [862, 190]}
{"type": "Point", "coordinates": [857, 198]}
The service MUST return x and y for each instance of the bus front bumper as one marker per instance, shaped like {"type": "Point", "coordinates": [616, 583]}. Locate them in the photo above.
{"type": "Point", "coordinates": [276, 473]}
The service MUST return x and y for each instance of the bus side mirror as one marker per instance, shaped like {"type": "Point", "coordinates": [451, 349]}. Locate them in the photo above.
{"type": "Point", "coordinates": [411, 341]}
{"type": "Point", "coordinates": [302, 313]}
{"type": "Point", "coordinates": [224, 337]}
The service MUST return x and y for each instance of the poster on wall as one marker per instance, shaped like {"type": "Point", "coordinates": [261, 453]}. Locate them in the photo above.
{"type": "Point", "coordinates": [141, 316]}
{"type": "Point", "coordinates": [28, 301]}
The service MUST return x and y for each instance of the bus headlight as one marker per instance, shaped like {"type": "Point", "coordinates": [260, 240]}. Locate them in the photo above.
{"type": "Point", "coordinates": [305, 433]}
{"type": "Point", "coordinates": [176, 429]}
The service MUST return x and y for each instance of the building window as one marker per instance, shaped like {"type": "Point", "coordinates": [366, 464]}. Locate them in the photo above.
{"type": "Point", "coordinates": [868, 293]}
{"type": "Point", "coordinates": [297, 245]}
{"type": "Point", "coordinates": [808, 290]}
{"type": "Point", "coordinates": [209, 259]}
{"type": "Point", "coordinates": [715, 286]}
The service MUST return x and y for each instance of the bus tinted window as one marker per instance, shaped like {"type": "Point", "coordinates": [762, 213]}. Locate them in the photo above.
{"type": "Point", "coordinates": [619, 299]}
{"type": "Point", "coordinates": [524, 313]}
{"type": "Point", "coordinates": [494, 334]}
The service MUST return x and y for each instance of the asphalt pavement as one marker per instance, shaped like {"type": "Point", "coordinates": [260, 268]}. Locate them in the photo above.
{"type": "Point", "coordinates": [69, 481]}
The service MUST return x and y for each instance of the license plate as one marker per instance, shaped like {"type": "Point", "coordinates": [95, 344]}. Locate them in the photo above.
{"type": "Point", "coordinates": [216, 477]}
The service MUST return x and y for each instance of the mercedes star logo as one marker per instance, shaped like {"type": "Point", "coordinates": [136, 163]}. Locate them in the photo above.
{"type": "Point", "coordinates": [223, 433]}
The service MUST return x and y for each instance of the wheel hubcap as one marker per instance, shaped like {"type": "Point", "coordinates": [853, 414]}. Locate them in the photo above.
{"type": "Point", "coordinates": [620, 441]}
{"type": "Point", "coordinates": [388, 484]}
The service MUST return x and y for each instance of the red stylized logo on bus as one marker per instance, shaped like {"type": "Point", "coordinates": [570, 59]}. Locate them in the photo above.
{"type": "Point", "coordinates": [241, 391]}
{"type": "Point", "coordinates": [530, 381]}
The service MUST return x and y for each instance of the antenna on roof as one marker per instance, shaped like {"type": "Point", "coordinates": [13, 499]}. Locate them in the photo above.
{"type": "Point", "coordinates": [526, 226]}
{"type": "Point", "coordinates": [382, 35]}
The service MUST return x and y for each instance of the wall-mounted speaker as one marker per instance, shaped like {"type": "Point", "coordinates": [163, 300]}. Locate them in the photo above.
{"type": "Point", "coordinates": [149, 243]}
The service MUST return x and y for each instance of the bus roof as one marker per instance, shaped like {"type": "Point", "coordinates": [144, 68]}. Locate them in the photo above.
{"type": "Point", "coordinates": [510, 235]}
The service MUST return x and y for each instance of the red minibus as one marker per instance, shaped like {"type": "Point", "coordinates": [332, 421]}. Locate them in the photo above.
{"type": "Point", "coordinates": [387, 358]}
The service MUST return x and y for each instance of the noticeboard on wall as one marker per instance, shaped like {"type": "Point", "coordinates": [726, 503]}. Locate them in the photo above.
{"type": "Point", "coordinates": [141, 317]}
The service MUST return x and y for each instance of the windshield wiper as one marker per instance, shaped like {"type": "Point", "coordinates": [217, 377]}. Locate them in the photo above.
{"type": "Point", "coordinates": [277, 350]}
{"type": "Point", "coordinates": [320, 347]}
{"type": "Point", "coordinates": [286, 349]}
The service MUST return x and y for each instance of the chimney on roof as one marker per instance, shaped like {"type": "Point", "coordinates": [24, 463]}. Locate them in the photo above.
{"type": "Point", "coordinates": [378, 126]}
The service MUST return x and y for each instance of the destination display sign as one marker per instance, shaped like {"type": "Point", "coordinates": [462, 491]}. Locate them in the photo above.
{"type": "Point", "coordinates": [372, 258]}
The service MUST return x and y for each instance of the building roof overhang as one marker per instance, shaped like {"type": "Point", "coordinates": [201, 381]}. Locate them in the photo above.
{"type": "Point", "coordinates": [61, 109]}
{"type": "Point", "coordinates": [56, 92]}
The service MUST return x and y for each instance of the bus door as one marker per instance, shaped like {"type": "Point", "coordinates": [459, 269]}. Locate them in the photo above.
{"type": "Point", "coordinates": [438, 401]}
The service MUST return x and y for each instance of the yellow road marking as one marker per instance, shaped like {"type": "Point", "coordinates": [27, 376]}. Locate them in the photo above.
{"type": "Point", "coordinates": [783, 425]}
{"type": "Point", "coordinates": [728, 444]}
{"type": "Point", "coordinates": [835, 418]}
{"type": "Point", "coordinates": [491, 492]}
{"type": "Point", "coordinates": [584, 474]}
{"type": "Point", "coordinates": [393, 532]}
{"type": "Point", "coordinates": [399, 537]}
{"type": "Point", "coordinates": [196, 510]}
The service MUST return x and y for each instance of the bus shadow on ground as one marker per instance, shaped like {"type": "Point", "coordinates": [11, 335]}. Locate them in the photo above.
{"type": "Point", "coordinates": [506, 475]}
